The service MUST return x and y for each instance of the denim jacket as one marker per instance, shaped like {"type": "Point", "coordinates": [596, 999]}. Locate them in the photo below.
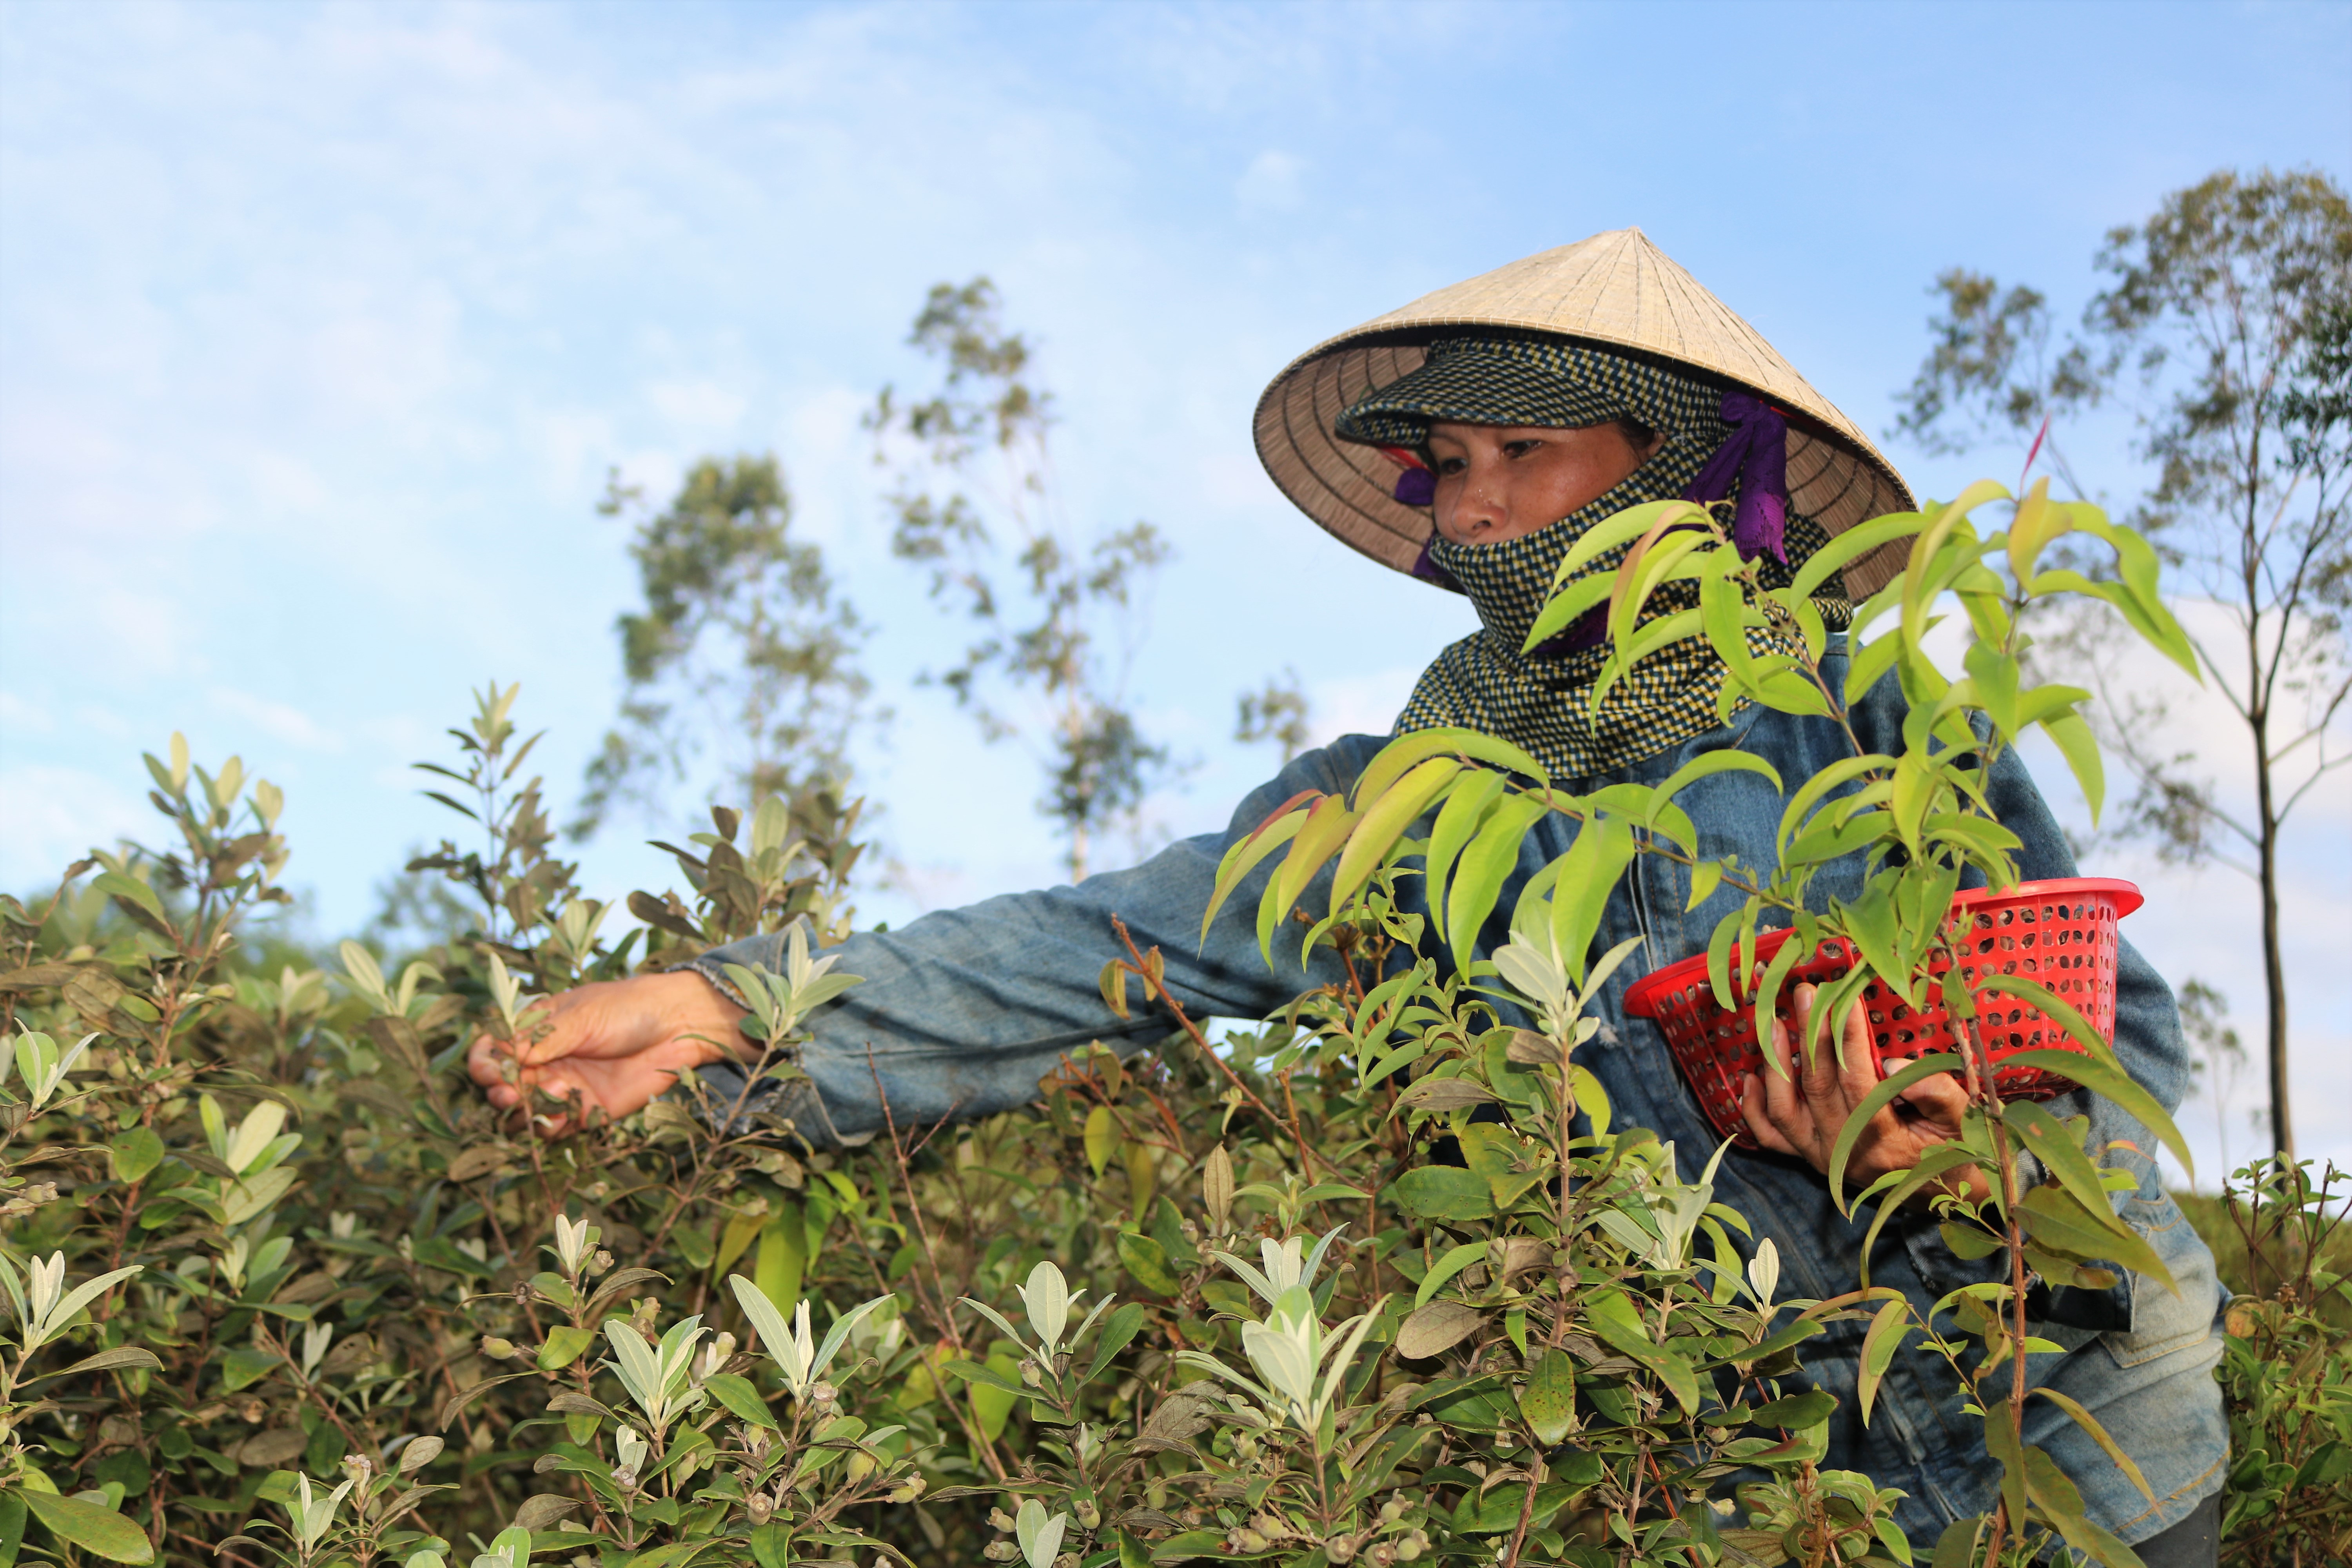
{"type": "Point", "coordinates": [963, 1010]}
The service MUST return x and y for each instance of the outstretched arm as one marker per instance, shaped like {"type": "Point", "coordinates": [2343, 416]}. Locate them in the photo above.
{"type": "Point", "coordinates": [961, 1011]}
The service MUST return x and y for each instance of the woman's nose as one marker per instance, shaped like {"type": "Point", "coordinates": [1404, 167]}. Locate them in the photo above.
{"type": "Point", "coordinates": [1481, 506]}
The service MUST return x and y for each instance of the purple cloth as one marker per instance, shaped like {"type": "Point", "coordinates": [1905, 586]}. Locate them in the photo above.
{"type": "Point", "coordinates": [1417, 487]}
{"type": "Point", "coordinates": [1756, 457]}
{"type": "Point", "coordinates": [1428, 571]}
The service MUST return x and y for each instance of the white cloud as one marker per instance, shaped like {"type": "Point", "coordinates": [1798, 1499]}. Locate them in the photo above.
{"type": "Point", "coordinates": [19, 716]}
{"type": "Point", "coordinates": [278, 720]}
{"type": "Point", "coordinates": [699, 410]}
{"type": "Point", "coordinates": [54, 816]}
{"type": "Point", "coordinates": [127, 631]}
{"type": "Point", "coordinates": [1364, 704]}
{"type": "Point", "coordinates": [103, 721]}
{"type": "Point", "coordinates": [1273, 183]}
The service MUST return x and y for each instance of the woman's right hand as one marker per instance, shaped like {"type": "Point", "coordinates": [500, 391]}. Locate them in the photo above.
{"type": "Point", "coordinates": [1802, 1108]}
{"type": "Point", "coordinates": [615, 1045]}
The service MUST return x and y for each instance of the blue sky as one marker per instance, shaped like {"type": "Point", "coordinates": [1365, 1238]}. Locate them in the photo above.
{"type": "Point", "coordinates": [319, 327]}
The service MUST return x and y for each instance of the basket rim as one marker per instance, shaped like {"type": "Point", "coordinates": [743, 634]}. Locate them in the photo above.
{"type": "Point", "coordinates": [1641, 998]}
{"type": "Point", "coordinates": [2127, 894]}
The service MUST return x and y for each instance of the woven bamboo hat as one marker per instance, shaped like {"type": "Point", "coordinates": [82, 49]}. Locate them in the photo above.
{"type": "Point", "coordinates": [1616, 291]}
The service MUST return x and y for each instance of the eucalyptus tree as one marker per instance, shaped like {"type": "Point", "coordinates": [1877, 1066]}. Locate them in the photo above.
{"type": "Point", "coordinates": [1278, 711]}
{"type": "Point", "coordinates": [2225, 328]}
{"type": "Point", "coordinates": [740, 667]}
{"type": "Point", "coordinates": [1054, 608]}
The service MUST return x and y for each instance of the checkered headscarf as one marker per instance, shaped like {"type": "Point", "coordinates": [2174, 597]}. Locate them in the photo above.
{"type": "Point", "coordinates": [1539, 702]}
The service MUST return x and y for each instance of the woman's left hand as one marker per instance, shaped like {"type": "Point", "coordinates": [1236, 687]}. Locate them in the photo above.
{"type": "Point", "coordinates": [1802, 1109]}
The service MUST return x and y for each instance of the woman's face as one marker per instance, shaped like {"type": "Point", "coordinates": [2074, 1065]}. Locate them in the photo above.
{"type": "Point", "coordinates": [1498, 482]}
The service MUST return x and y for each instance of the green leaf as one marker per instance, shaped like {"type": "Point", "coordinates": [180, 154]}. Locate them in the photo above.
{"type": "Point", "coordinates": [135, 1154]}
{"type": "Point", "coordinates": [1772, 1344]}
{"type": "Point", "coordinates": [1595, 862]}
{"type": "Point", "coordinates": [1548, 1401]}
{"type": "Point", "coordinates": [2071, 733]}
{"type": "Point", "coordinates": [1647, 567]}
{"type": "Point", "coordinates": [1566, 607]}
{"type": "Point", "coordinates": [1898, 1188]}
{"type": "Point", "coordinates": [1456, 1260]}
{"type": "Point", "coordinates": [1708, 763]}
{"type": "Point", "coordinates": [131, 889]}
{"type": "Point", "coordinates": [1436, 1329]}
{"type": "Point", "coordinates": [2054, 1219]}
{"type": "Point", "coordinates": [1886, 1337]}
{"type": "Point", "coordinates": [1876, 1100]}
{"type": "Point", "coordinates": [1443, 1192]}
{"type": "Point", "coordinates": [1472, 794]}
{"type": "Point", "coordinates": [12, 1515]}
{"type": "Point", "coordinates": [1621, 528]}
{"type": "Point", "coordinates": [113, 1360]}
{"type": "Point", "coordinates": [1484, 866]}
{"type": "Point", "coordinates": [1657, 634]}
{"type": "Point", "coordinates": [93, 1529]}
{"type": "Point", "coordinates": [1719, 954]}
{"type": "Point", "coordinates": [1279, 827]}
{"type": "Point", "coordinates": [1326, 826]}
{"type": "Point", "coordinates": [1384, 822]}
{"type": "Point", "coordinates": [2089, 1070]}
{"type": "Point", "coordinates": [1852, 546]}
{"type": "Point", "coordinates": [782, 1258]}
{"type": "Point", "coordinates": [1147, 1262]}
{"type": "Point", "coordinates": [2062, 1504]}
{"type": "Point", "coordinates": [1957, 1547]}
{"type": "Point", "coordinates": [740, 1396]}
{"type": "Point", "coordinates": [1799, 1412]}
{"type": "Point", "coordinates": [1993, 680]}
{"type": "Point", "coordinates": [1968, 1243]}
{"type": "Point", "coordinates": [1814, 790]}
{"type": "Point", "coordinates": [1724, 609]}
{"type": "Point", "coordinates": [1101, 1137]}
{"type": "Point", "coordinates": [1869, 665]}
{"type": "Point", "coordinates": [991, 1406]}
{"type": "Point", "coordinates": [241, 1367]}
{"type": "Point", "coordinates": [1496, 1512]}
{"type": "Point", "coordinates": [1119, 1331]}
{"type": "Point", "coordinates": [2060, 1149]}
{"type": "Point", "coordinates": [2098, 1434]}
{"type": "Point", "coordinates": [1190, 1544]}
{"type": "Point", "coordinates": [563, 1346]}
{"type": "Point", "coordinates": [1617, 1322]}
{"type": "Point", "coordinates": [981, 1377]}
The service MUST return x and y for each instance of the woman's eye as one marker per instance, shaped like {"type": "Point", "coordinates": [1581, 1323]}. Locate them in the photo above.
{"type": "Point", "coordinates": [1519, 448]}
{"type": "Point", "coordinates": [1451, 465]}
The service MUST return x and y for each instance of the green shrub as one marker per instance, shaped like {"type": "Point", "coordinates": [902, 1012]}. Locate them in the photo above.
{"type": "Point", "coordinates": [2286, 1252]}
{"type": "Point", "coordinates": [284, 1288]}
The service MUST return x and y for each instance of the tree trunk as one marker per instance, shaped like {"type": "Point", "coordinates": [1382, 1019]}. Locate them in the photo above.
{"type": "Point", "coordinates": [2273, 963]}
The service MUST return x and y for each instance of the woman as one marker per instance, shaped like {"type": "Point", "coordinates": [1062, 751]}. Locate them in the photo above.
{"type": "Point", "coordinates": [1469, 439]}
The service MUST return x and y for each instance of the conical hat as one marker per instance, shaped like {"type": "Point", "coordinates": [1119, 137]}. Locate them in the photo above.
{"type": "Point", "coordinates": [1616, 289]}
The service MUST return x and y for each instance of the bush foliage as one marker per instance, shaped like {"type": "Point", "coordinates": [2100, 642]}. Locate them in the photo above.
{"type": "Point", "coordinates": [1379, 1283]}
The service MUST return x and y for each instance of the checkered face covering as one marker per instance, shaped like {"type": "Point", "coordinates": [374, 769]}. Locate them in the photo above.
{"type": "Point", "coordinates": [1539, 702]}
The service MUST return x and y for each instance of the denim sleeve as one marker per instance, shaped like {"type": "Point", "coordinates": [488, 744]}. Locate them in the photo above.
{"type": "Point", "coordinates": [963, 1011]}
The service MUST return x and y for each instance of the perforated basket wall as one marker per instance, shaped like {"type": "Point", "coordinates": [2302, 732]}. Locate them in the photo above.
{"type": "Point", "coordinates": [2060, 933]}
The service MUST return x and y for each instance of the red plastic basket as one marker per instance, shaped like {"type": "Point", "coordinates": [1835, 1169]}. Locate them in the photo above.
{"type": "Point", "coordinates": [2060, 932]}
